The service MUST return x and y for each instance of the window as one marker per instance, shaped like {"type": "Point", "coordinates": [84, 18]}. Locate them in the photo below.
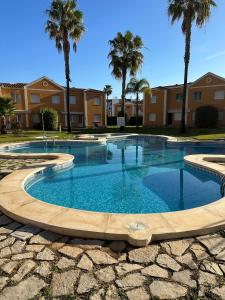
{"type": "Point", "coordinates": [73, 100]}
{"type": "Point", "coordinates": [221, 116]}
{"type": "Point", "coordinates": [153, 99]}
{"type": "Point", "coordinates": [56, 99]}
{"type": "Point", "coordinates": [18, 118]}
{"type": "Point", "coordinates": [152, 117]}
{"type": "Point", "coordinates": [35, 98]}
{"type": "Point", "coordinates": [97, 118]}
{"type": "Point", "coordinates": [177, 116]}
{"type": "Point", "coordinates": [179, 97]}
{"type": "Point", "coordinates": [36, 118]}
{"type": "Point", "coordinates": [193, 116]}
{"type": "Point", "coordinates": [97, 101]}
{"type": "Point", "coordinates": [219, 95]}
{"type": "Point", "coordinates": [16, 97]}
{"type": "Point", "coordinates": [197, 96]}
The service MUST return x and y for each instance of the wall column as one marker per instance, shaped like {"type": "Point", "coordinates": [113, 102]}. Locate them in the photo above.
{"type": "Point", "coordinates": [85, 110]}
{"type": "Point", "coordinates": [26, 107]}
{"type": "Point", "coordinates": [165, 108]}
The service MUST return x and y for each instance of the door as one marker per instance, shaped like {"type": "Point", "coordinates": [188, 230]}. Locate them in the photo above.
{"type": "Point", "coordinates": [169, 119]}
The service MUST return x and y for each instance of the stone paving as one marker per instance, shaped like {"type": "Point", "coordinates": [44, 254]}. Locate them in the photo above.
{"type": "Point", "coordinates": [38, 264]}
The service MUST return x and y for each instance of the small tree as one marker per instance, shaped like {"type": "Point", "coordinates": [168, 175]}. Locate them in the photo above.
{"type": "Point", "coordinates": [50, 117]}
{"type": "Point", "coordinates": [6, 110]}
{"type": "Point", "coordinates": [206, 116]}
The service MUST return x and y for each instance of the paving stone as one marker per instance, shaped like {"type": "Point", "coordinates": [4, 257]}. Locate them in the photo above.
{"type": "Point", "coordinates": [65, 263]}
{"type": "Point", "coordinates": [86, 283]}
{"type": "Point", "coordinates": [167, 290]}
{"type": "Point", "coordinates": [10, 228]}
{"type": "Point", "coordinates": [24, 269]}
{"type": "Point", "coordinates": [85, 263]}
{"type": "Point", "coordinates": [8, 242]}
{"type": "Point", "coordinates": [5, 252]}
{"type": "Point", "coordinates": [25, 232]}
{"type": "Point", "coordinates": [166, 261]}
{"type": "Point", "coordinates": [60, 243]}
{"type": "Point", "coordinates": [44, 269]}
{"type": "Point", "coordinates": [131, 281]}
{"type": "Point", "coordinates": [63, 283]}
{"type": "Point", "coordinates": [199, 251]}
{"type": "Point", "coordinates": [34, 248]}
{"type": "Point", "coordinates": [26, 255]}
{"type": "Point", "coordinates": [177, 247]}
{"type": "Point", "coordinates": [2, 237]}
{"type": "Point", "coordinates": [155, 271]}
{"type": "Point", "coordinates": [215, 243]}
{"type": "Point", "coordinates": [46, 254]}
{"type": "Point", "coordinates": [101, 258]}
{"type": "Point", "coordinates": [219, 291]}
{"type": "Point", "coordinates": [207, 279]}
{"type": "Point", "coordinates": [221, 256]}
{"type": "Point", "coordinates": [144, 255]}
{"type": "Point", "coordinates": [10, 267]}
{"type": "Point", "coordinates": [70, 251]}
{"type": "Point", "coordinates": [106, 274]}
{"type": "Point", "coordinates": [118, 246]}
{"type": "Point", "coordinates": [124, 268]}
{"type": "Point", "coordinates": [87, 244]}
{"type": "Point", "coordinates": [99, 295]}
{"type": "Point", "coordinates": [122, 258]}
{"type": "Point", "coordinates": [222, 267]}
{"type": "Point", "coordinates": [139, 293]}
{"type": "Point", "coordinates": [45, 238]}
{"type": "Point", "coordinates": [112, 293]}
{"type": "Point", "coordinates": [187, 260]}
{"type": "Point", "coordinates": [211, 267]}
{"type": "Point", "coordinates": [25, 290]}
{"type": "Point", "coordinates": [4, 220]}
{"type": "Point", "coordinates": [185, 278]}
{"type": "Point", "coordinates": [17, 247]}
{"type": "Point", "coordinates": [3, 261]}
{"type": "Point", "coordinates": [3, 282]}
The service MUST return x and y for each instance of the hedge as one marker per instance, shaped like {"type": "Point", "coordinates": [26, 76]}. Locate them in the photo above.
{"type": "Point", "coordinates": [50, 117]}
{"type": "Point", "coordinates": [206, 116]}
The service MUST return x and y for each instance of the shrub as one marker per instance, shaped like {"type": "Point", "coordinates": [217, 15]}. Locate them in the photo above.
{"type": "Point", "coordinates": [206, 116]}
{"type": "Point", "coordinates": [50, 117]}
{"type": "Point", "coordinates": [132, 121]}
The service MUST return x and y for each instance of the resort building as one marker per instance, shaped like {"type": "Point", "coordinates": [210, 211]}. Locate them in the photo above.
{"type": "Point", "coordinates": [164, 107]}
{"type": "Point", "coordinates": [87, 106]}
{"type": "Point", "coordinates": [130, 108]}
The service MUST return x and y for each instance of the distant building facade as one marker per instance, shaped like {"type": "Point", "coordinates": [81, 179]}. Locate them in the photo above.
{"type": "Point", "coordinates": [130, 108]}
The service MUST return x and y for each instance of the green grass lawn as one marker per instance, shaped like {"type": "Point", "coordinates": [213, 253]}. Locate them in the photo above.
{"type": "Point", "coordinates": [198, 134]}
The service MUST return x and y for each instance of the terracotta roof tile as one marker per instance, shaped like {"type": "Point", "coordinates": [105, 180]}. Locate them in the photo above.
{"type": "Point", "coordinates": [12, 85]}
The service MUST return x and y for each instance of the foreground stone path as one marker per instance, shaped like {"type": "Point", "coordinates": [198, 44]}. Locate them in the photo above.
{"type": "Point", "coordinates": [41, 265]}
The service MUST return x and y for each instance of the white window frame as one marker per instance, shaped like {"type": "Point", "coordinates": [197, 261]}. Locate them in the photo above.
{"type": "Point", "coordinates": [56, 99]}
{"type": "Point", "coordinates": [219, 95]}
{"type": "Point", "coordinates": [98, 120]}
{"type": "Point", "coordinates": [220, 115]}
{"type": "Point", "coordinates": [73, 99]}
{"type": "Point", "coordinates": [97, 101]}
{"type": "Point", "coordinates": [16, 97]}
{"type": "Point", "coordinates": [177, 116]}
{"type": "Point", "coordinates": [35, 98]}
{"type": "Point", "coordinates": [193, 116]}
{"type": "Point", "coordinates": [152, 117]}
{"type": "Point", "coordinates": [193, 96]}
{"type": "Point", "coordinates": [153, 99]}
{"type": "Point", "coordinates": [36, 118]}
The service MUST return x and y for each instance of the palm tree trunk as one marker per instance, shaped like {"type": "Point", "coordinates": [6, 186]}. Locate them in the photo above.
{"type": "Point", "coordinates": [186, 63]}
{"type": "Point", "coordinates": [137, 100]}
{"type": "Point", "coordinates": [67, 72]}
{"type": "Point", "coordinates": [124, 77]}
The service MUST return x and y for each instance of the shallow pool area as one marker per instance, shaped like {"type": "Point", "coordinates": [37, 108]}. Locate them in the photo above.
{"type": "Point", "coordinates": [136, 175]}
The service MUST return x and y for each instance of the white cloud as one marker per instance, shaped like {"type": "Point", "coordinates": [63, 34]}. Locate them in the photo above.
{"type": "Point", "coordinates": [216, 55]}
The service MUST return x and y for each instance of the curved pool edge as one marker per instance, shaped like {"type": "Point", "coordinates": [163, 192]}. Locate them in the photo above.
{"type": "Point", "coordinates": [137, 229]}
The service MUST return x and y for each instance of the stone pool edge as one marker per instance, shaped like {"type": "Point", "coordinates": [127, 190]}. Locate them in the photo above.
{"type": "Point", "coordinates": [137, 229]}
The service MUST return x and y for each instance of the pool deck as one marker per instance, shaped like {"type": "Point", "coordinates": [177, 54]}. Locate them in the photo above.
{"type": "Point", "coordinates": [137, 229]}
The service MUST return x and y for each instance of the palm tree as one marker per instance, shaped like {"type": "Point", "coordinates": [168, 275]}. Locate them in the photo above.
{"type": "Point", "coordinates": [136, 87]}
{"type": "Point", "coordinates": [108, 92]}
{"type": "Point", "coordinates": [6, 110]}
{"type": "Point", "coordinates": [125, 58]}
{"type": "Point", "coordinates": [65, 24]}
{"type": "Point", "coordinates": [189, 11]}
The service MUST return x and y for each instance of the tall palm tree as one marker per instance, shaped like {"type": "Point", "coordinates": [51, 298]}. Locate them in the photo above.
{"type": "Point", "coordinates": [108, 92]}
{"type": "Point", "coordinates": [6, 110]}
{"type": "Point", "coordinates": [125, 58]}
{"type": "Point", "coordinates": [65, 25]}
{"type": "Point", "coordinates": [136, 87]}
{"type": "Point", "coordinates": [189, 11]}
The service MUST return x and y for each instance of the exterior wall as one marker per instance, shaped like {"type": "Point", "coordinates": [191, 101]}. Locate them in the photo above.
{"type": "Point", "coordinates": [93, 110]}
{"type": "Point", "coordinates": [154, 108]}
{"type": "Point", "coordinates": [130, 109]}
{"type": "Point", "coordinates": [7, 92]}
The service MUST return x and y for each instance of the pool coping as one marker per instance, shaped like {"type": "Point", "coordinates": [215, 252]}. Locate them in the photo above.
{"type": "Point", "coordinates": [137, 229]}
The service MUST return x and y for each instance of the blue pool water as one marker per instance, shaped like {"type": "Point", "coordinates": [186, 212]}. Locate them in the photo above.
{"type": "Point", "coordinates": [134, 175]}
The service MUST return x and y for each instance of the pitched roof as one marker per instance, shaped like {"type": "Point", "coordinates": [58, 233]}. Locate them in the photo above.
{"type": "Point", "coordinates": [12, 85]}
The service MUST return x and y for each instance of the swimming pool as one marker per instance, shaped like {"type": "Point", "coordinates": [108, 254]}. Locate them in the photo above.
{"type": "Point", "coordinates": [136, 175]}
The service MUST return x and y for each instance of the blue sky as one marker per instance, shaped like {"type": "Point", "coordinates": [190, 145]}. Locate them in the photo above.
{"type": "Point", "coordinates": [27, 53]}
